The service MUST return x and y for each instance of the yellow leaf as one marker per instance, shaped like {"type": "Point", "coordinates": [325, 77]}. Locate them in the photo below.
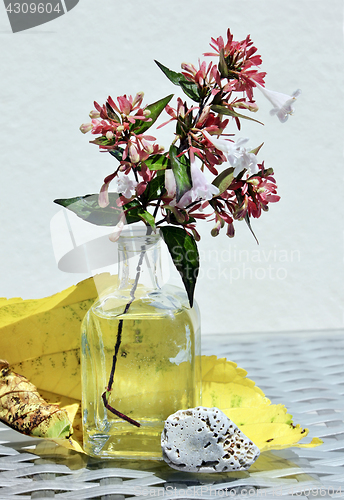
{"type": "Point", "coordinates": [73, 409]}
{"type": "Point", "coordinates": [269, 426]}
{"type": "Point", "coordinates": [41, 339]}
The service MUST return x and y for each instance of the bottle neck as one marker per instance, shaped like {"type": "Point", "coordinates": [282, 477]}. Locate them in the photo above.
{"type": "Point", "coordinates": [139, 260]}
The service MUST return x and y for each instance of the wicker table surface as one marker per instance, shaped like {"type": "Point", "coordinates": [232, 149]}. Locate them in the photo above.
{"type": "Point", "coordinates": [304, 371]}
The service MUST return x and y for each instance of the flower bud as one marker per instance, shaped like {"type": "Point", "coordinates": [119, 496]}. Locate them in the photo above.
{"type": "Point", "coordinates": [138, 98]}
{"type": "Point", "coordinates": [204, 114]}
{"type": "Point", "coordinates": [251, 106]}
{"type": "Point", "coordinates": [216, 229]}
{"type": "Point", "coordinates": [141, 188]}
{"type": "Point", "coordinates": [86, 127]}
{"type": "Point", "coordinates": [196, 235]}
{"type": "Point", "coordinates": [253, 181]}
{"type": "Point", "coordinates": [94, 114]}
{"type": "Point", "coordinates": [230, 230]}
{"type": "Point", "coordinates": [109, 135]}
{"type": "Point", "coordinates": [189, 67]}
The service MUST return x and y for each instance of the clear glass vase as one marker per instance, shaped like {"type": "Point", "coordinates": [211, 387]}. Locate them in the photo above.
{"type": "Point", "coordinates": [155, 337]}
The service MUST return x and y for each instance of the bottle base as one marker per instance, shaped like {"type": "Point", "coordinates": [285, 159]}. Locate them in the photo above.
{"type": "Point", "coordinates": [124, 441]}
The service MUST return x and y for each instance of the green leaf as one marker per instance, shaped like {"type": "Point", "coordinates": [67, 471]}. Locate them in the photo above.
{"type": "Point", "coordinates": [155, 109]}
{"type": "Point", "coordinates": [224, 180]}
{"type": "Point", "coordinates": [148, 218]}
{"type": "Point", "coordinates": [88, 209]}
{"type": "Point", "coordinates": [257, 149]}
{"type": "Point", "coordinates": [223, 69]}
{"type": "Point", "coordinates": [246, 217]}
{"type": "Point", "coordinates": [184, 253]}
{"type": "Point", "coordinates": [157, 162]}
{"type": "Point", "coordinates": [223, 110]}
{"type": "Point", "coordinates": [117, 153]}
{"type": "Point", "coordinates": [176, 216]}
{"type": "Point", "coordinates": [133, 211]}
{"type": "Point", "coordinates": [155, 188]}
{"type": "Point", "coordinates": [172, 219]}
{"type": "Point", "coordinates": [247, 220]}
{"type": "Point", "coordinates": [102, 141]}
{"type": "Point", "coordinates": [189, 88]}
{"type": "Point", "coordinates": [112, 114]}
{"type": "Point", "coordinates": [174, 77]}
{"type": "Point", "coordinates": [266, 171]}
{"type": "Point", "coordinates": [181, 171]}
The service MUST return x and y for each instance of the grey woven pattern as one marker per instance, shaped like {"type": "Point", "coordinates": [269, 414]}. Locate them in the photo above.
{"type": "Point", "coordinates": [304, 372]}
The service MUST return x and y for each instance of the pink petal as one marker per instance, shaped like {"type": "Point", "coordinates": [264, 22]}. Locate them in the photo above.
{"type": "Point", "coordinates": [103, 198]}
{"type": "Point", "coordinates": [117, 232]}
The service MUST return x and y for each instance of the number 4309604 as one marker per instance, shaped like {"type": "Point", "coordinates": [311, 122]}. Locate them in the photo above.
{"type": "Point", "coordinates": [33, 8]}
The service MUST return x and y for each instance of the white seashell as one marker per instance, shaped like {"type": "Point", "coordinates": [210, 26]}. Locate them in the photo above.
{"type": "Point", "coordinates": [205, 440]}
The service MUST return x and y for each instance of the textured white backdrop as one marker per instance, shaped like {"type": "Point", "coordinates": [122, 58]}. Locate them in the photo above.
{"type": "Point", "coordinates": [50, 76]}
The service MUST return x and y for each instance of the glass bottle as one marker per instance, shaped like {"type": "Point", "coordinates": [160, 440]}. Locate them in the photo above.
{"type": "Point", "coordinates": [157, 371]}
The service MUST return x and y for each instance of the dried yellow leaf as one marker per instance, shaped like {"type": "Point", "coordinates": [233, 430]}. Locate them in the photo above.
{"type": "Point", "coordinates": [23, 409]}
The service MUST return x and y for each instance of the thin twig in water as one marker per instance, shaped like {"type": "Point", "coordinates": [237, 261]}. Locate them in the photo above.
{"type": "Point", "coordinates": [119, 340]}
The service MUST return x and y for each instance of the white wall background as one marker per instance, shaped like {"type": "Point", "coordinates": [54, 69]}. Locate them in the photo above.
{"type": "Point", "coordinates": [50, 76]}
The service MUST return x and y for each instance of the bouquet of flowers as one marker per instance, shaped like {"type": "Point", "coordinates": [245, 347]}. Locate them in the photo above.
{"type": "Point", "coordinates": [204, 174]}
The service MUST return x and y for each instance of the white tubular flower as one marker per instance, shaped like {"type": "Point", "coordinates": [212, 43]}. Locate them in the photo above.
{"type": "Point", "coordinates": [201, 190]}
{"type": "Point", "coordinates": [237, 156]}
{"type": "Point", "coordinates": [282, 103]}
{"type": "Point", "coordinates": [125, 185]}
{"type": "Point", "coordinates": [240, 158]}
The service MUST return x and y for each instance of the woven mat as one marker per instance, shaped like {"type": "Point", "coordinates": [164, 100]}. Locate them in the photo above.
{"type": "Point", "coordinates": [303, 371]}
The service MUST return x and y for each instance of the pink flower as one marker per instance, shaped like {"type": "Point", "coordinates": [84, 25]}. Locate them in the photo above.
{"type": "Point", "coordinates": [127, 105]}
{"type": "Point", "coordinates": [138, 147]}
{"type": "Point", "coordinates": [103, 198]}
{"type": "Point", "coordinates": [204, 76]}
{"type": "Point", "coordinates": [114, 121]}
{"type": "Point", "coordinates": [180, 112]}
{"type": "Point", "coordinates": [256, 193]}
{"type": "Point", "coordinates": [239, 60]}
